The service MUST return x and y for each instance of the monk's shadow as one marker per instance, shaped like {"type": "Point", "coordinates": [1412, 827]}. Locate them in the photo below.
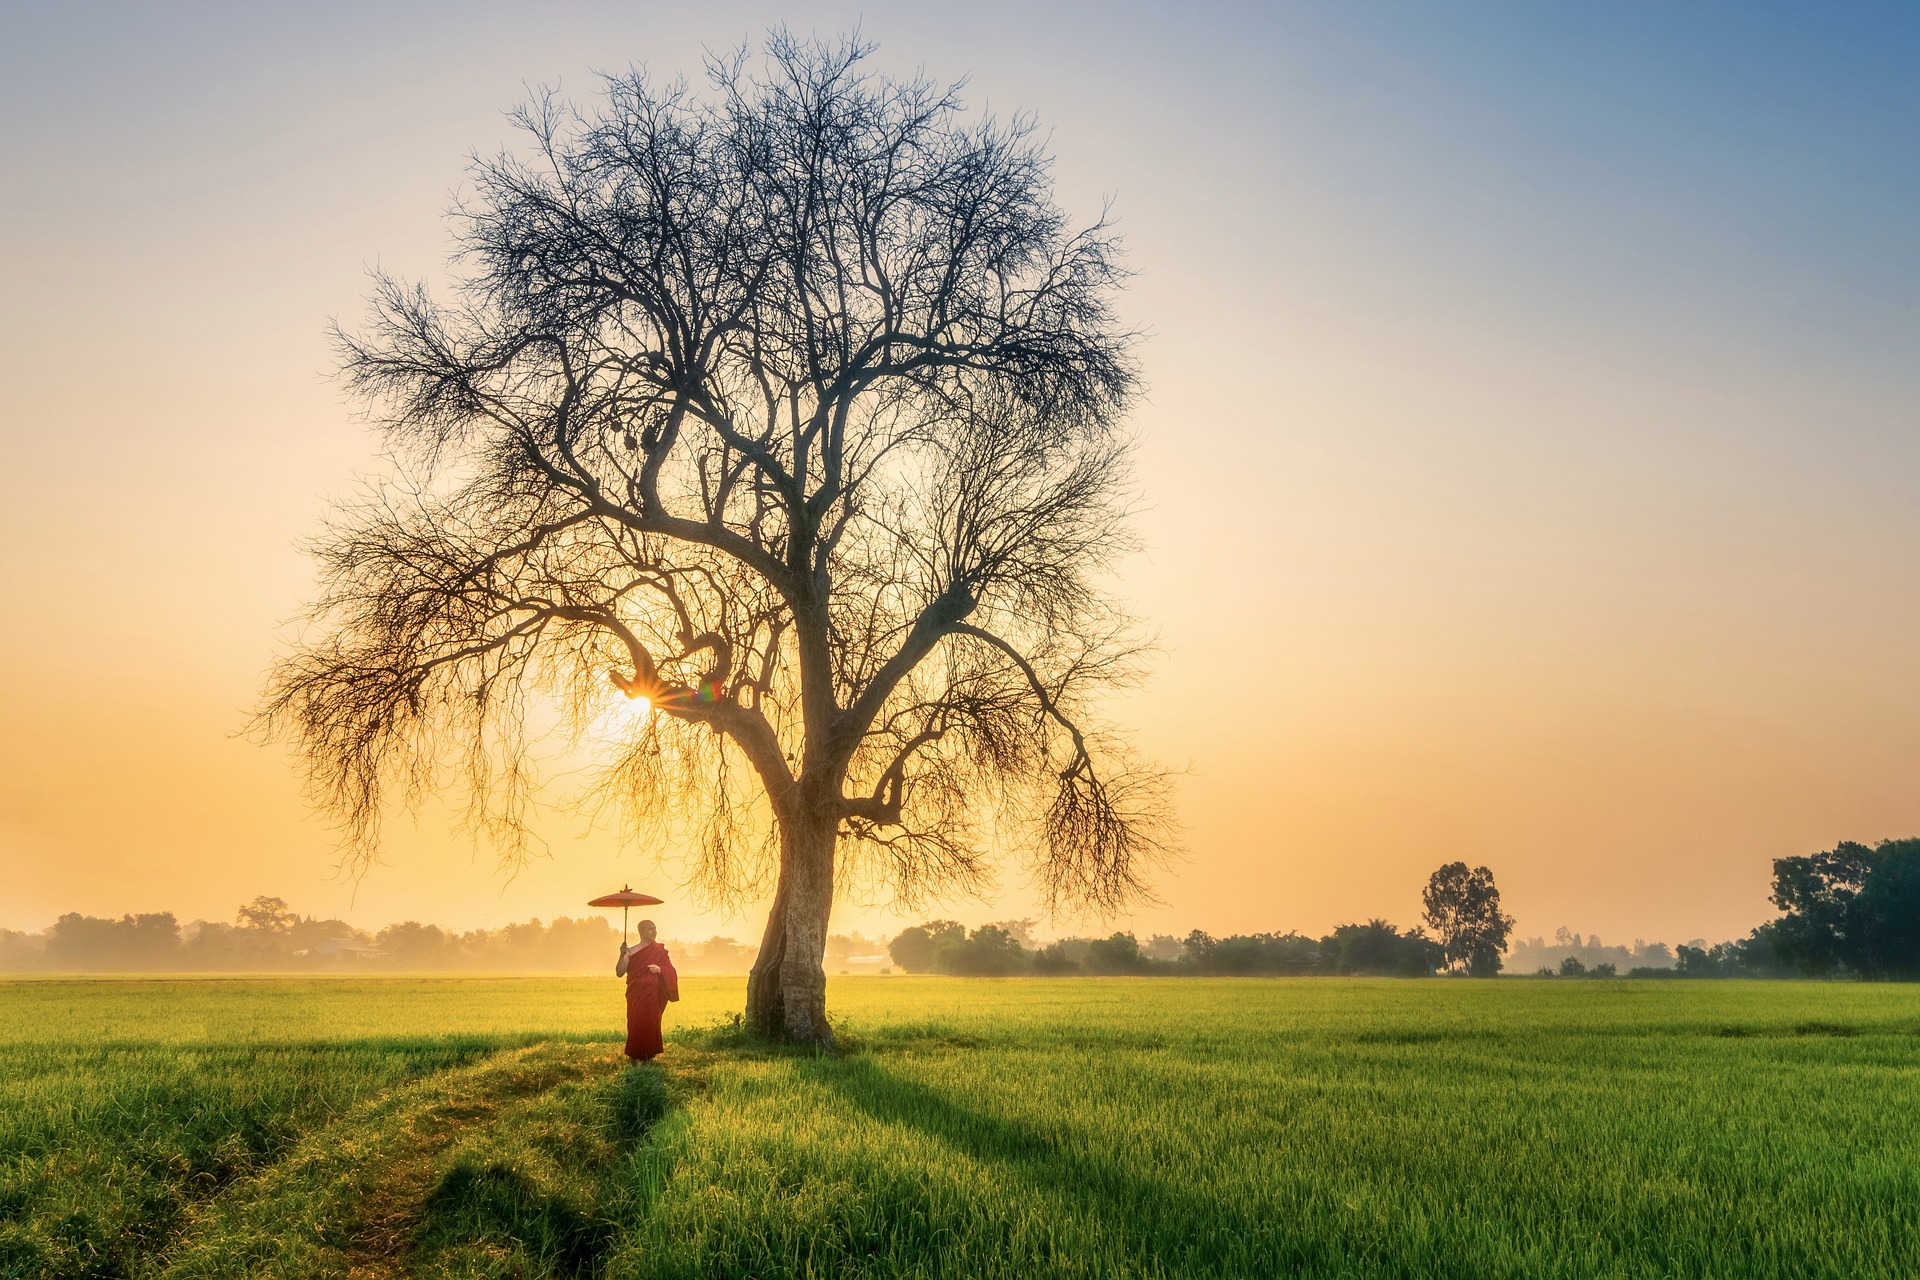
{"type": "Point", "coordinates": [1163, 1225]}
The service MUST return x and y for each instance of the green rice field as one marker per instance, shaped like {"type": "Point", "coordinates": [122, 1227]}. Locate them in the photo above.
{"type": "Point", "coordinates": [973, 1127]}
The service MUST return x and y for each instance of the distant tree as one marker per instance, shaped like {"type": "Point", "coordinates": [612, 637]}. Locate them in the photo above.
{"type": "Point", "coordinates": [412, 945]}
{"type": "Point", "coordinates": [1164, 947]}
{"type": "Point", "coordinates": [1817, 893]}
{"type": "Point", "coordinates": [1850, 907]}
{"type": "Point", "coordinates": [207, 944]}
{"type": "Point", "coordinates": [1199, 947]}
{"type": "Point", "coordinates": [19, 952]}
{"type": "Point", "coordinates": [1021, 931]}
{"type": "Point", "coordinates": [578, 944]}
{"type": "Point", "coordinates": [1463, 909]}
{"type": "Point", "coordinates": [1056, 960]}
{"type": "Point", "coordinates": [725, 955]}
{"type": "Point", "coordinates": [1117, 954]}
{"type": "Point", "coordinates": [1886, 914]}
{"type": "Point", "coordinates": [796, 408]}
{"type": "Point", "coordinates": [1378, 948]}
{"type": "Point", "coordinates": [1751, 957]}
{"type": "Point", "coordinates": [990, 951]}
{"type": "Point", "coordinates": [1247, 954]}
{"type": "Point", "coordinates": [1572, 967]}
{"type": "Point", "coordinates": [214, 945]}
{"type": "Point", "coordinates": [145, 941]}
{"type": "Point", "coordinates": [565, 945]}
{"type": "Point", "coordinates": [1655, 955]}
{"type": "Point", "coordinates": [1758, 954]}
{"type": "Point", "coordinates": [1534, 953]}
{"type": "Point", "coordinates": [268, 915]}
{"type": "Point", "coordinates": [308, 933]}
{"type": "Point", "coordinates": [1729, 959]}
{"type": "Point", "coordinates": [1694, 962]}
{"type": "Point", "coordinates": [1605, 969]}
{"type": "Point", "coordinates": [914, 947]}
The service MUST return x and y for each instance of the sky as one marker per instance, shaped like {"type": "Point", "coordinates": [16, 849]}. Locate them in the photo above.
{"type": "Point", "coordinates": [1529, 449]}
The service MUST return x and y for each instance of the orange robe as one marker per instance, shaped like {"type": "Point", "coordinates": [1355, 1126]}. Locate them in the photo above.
{"type": "Point", "coordinates": [647, 997]}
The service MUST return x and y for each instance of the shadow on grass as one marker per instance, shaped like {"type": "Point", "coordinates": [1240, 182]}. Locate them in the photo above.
{"type": "Point", "coordinates": [1164, 1226]}
{"type": "Point", "coordinates": [731, 1038]}
{"type": "Point", "coordinates": [162, 1130]}
{"type": "Point", "coordinates": [490, 1202]}
{"type": "Point", "coordinates": [561, 1228]}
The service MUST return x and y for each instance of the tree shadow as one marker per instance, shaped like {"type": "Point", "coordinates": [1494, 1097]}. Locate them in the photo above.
{"type": "Point", "coordinates": [503, 1203]}
{"type": "Point", "coordinates": [1160, 1223]}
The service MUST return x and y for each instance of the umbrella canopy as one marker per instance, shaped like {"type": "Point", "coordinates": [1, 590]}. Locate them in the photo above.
{"type": "Point", "coordinates": [625, 899]}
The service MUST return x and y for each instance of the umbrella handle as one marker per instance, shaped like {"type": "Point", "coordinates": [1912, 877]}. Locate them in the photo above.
{"type": "Point", "coordinates": [623, 923]}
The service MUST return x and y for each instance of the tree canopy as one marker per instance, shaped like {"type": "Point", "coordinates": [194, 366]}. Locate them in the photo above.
{"type": "Point", "coordinates": [1850, 908]}
{"type": "Point", "coordinates": [795, 408]}
{"type": "Point", "coordinates": [1463, 908]}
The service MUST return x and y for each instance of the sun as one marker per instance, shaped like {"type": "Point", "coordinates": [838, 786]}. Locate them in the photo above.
{"type": "Point", "coordinates": [639, 706]}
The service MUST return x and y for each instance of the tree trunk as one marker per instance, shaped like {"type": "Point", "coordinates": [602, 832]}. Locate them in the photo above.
{"type": "Point", "coordinates": [763, 980]}
{"type": "Point", "coordinates": [787, 989]}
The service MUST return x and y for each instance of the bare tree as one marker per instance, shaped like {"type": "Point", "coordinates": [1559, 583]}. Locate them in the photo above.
{"type": "Point", "coordinates": [794, 406]}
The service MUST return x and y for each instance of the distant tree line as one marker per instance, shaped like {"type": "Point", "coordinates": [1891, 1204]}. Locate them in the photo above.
{"type": "Point", "coordinates": [1006, 949]}
{"type": "Point", "coordinates": [1754, 956]}
{"type": "Point", "coordinates": [266, 935]}
{"type": "Point", "coordinates": [1851, 911]}
{"type": "Point", "coordinates": [1578, 954]}
{"type": "Point", "coordinates": [1572, 956]}
{"type": "Point", "coordinates": [1462, 907]}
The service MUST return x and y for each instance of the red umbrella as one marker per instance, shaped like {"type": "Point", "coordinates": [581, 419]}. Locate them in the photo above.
{"type": "Point", "coordinates": [626, 899]}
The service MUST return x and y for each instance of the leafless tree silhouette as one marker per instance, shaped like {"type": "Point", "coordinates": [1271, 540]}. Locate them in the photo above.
{"type": "Point", "coordinates": [796, 407]}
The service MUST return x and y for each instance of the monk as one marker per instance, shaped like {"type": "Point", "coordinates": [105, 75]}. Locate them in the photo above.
{"type": "Point", "coordinates": [651, 982]}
